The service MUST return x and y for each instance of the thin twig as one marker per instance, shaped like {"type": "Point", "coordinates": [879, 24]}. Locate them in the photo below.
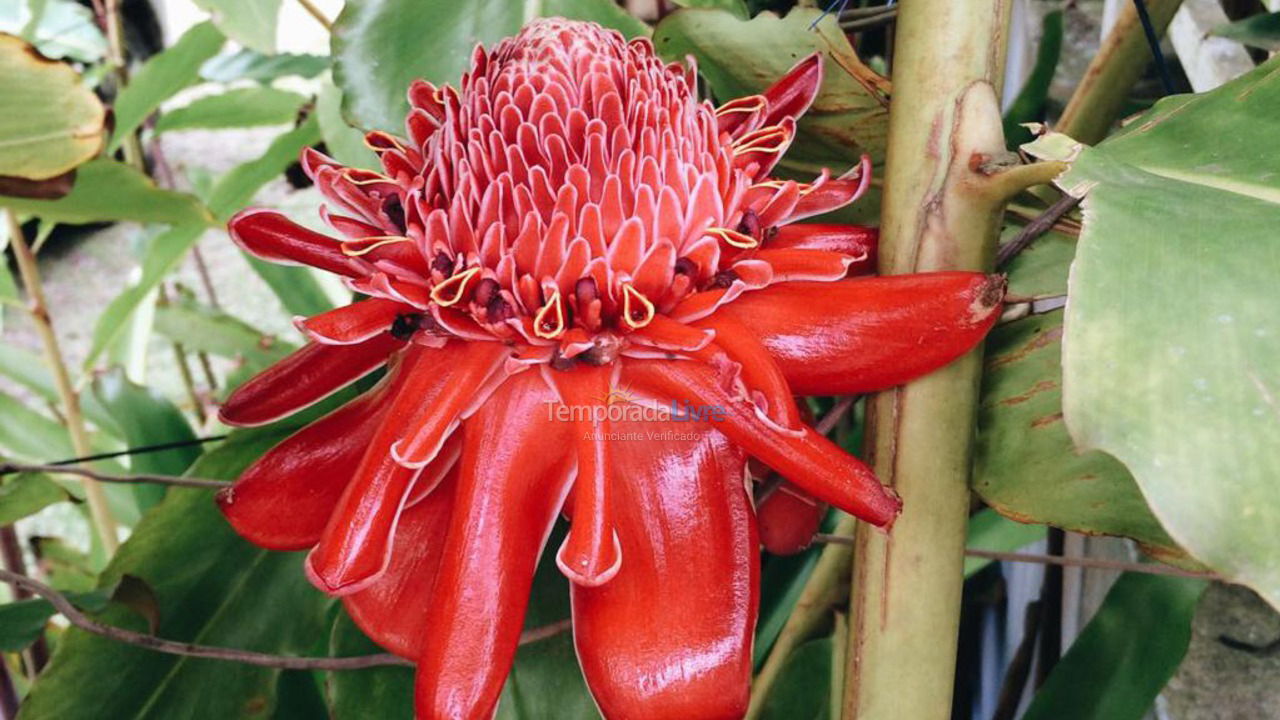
{"type": "Point", "coordinates": [103, 521]}
{"type": "Point", "coordinates": [1035, 229]}
{"type": "Point", "coordinates": [835, 414]}
{"type": "Point", "coordinates": [316, 13]}
{"type": "Point", "coordinates": [248, 657]}
{"type": "Point", "coordinates": [1097, 563]}
{"type": "Point", "coordinates": [9, 468]}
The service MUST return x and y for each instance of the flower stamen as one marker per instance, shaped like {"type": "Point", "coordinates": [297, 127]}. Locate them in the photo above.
{"type": "Point", "coordinates": [363, 246]}
{"type": "Point", "coordinates": [734, 238]}
{"type": "Point", "coordinates": [637, 310]}
{"type": "Point", "coordinates": [549, 322]}
{"type": "Point", "coordinates": [453, 290]}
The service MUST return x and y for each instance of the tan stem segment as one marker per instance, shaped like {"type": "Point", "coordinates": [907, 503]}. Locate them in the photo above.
{"type": "Point", "coordinates": [1124, 55]}
{"type": "Point", "coordinates": [102, 520]}
{"type": "Point", "coordinates": [941, 211]}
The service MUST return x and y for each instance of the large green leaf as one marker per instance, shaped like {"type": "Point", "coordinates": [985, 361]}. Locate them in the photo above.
{"type": "Point", "coordinates": [147, 418]}
{"type": "Point", "coordinates": [1025, 464]}
{"type": "Point", "coordinates": [1126, 654]}
{"type": "Point", "coordinates": [1173, 327]}
{"type": "Point", "coordinates": [803, 685]}
{"type": "Point", "coordinates": [229, 194]}
{"type": "Point", "coordinates": [241, 107]}
{"type": "Point", "coordinates": [28, 370]}
{"type": "Point", "coordinates": [345, 143]}
{"type": "Point", "coordinates": [25, 494]}
{"type": "Point", "coordinates": [52, 122]}
{"type": "Point", "coordinates": [203, 329]}
{"type": "Point", "coordinates": [743, 57]}
{"type": "Point", "coordinates": [162, 76]}
{"type": "Point", "coordinates": [252, 65]}
{"type": "Point", "coordinates": [106, 190]}
{"type": "Point", "coordinates": [380, 46]}
{"type": "Point", "coordinates": [252, 23]}
{"type": "Point", "coordinates": [212, 588]}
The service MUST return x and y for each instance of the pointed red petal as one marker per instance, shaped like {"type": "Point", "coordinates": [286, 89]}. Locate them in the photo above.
{"type": "Point", "coordinates": [589, 555]}
{"type": "Point", "coordinates": [868, 334]}
{"type": "Point", "coordinates": [353, 323]}
{"type": "Point", "coordinates": [393, 609]}
{"type": "Point", "coordinates": [306, 376]}
{"type": "Point", "coordinates": [424, 423]}
{"type": "Point", "coordinates": [357, 540]}
{"type": "Point", "coordinates": [275, 238]}
{"type": "Point", "coordinates": [794, 92]}
{"type": "Point", "coordinates": [513, 477]}
{"type": "Point", "coordinates": [857, 241]}
{"type": "Point", "coordinates": [817, 265]}
{"type": "Point", "coordinates": [759, 370]}
{"type": "Point", "coordinates": [798, 454]}
{"type": "Point", "coordinates": [670, 635]}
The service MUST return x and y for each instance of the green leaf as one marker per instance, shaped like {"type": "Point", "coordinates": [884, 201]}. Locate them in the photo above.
{"type": "Point", "coordinates": [28, 370]}
{"type": "Point", "coordinates": [382, 692]}
{"type": "Point", "coordinates": [232, 192]}
{"type": "Point", "coordinates": [1041, 268]}
{"type": "Point", "coordinates": [8, 288]}
{"type": "Point", "coordinates": [106, 190]}
{"type": "Point", "coordinates": [803, 684]}
{"type": "Point", "coordinates": [66, 568]}
{"type": "Point", "coordinates": [1126, 654]}
{"type": "Point", "coordinates": [29, 435]}
{"type": "Point", "coordinates": [782, 580]}
{"type": "Point", "coordinates": [297, 287]}
{"type": "Point", "coordinates": [26, 494]}
{"type": "Point", "coordinates": [1261, 31]}
{"type": "Point", "coordinates": [202, 329]}
{"type": "Point", "coordinates": [162, 76]}
{"type": "Point", "coordinates": [1025, 465]}
{"type": "Point", "coordinates": [1029, 105]}
{"type": "Point", "coordinates": [737, 7]}
{"type": "Point", "coordinates": [60, 29]}
{"type": "Point", "coordinates": [22, 622]}
{"type": "Point", "coordinates": [147, 418]}
{"type": "Point", "coordinates": [241, 107]}
{"type": "Point", "coordinates": [988, 530]}
{"type": "Point", "coordinates": [252, 65]}
{"type": "Point", "coordinates": [380, 46]}
{"type": "Point", "coordinates": [345, 143]}
{"type": "Point", "coordinates": [212, 588]}
{"type": "Point", "coordinates": [744, 57]}
{"type": "Point", "coordinates": [61, 122]}
{"type": "Point", "coordinates": [252, 23]}
{"type": "Point", "coordinates": [1173, 328]}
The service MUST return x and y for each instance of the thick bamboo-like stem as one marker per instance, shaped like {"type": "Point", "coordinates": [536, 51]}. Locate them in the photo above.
{"type": "Point", "coordinates": [1124, 55]}
{"type": "Point", "coordinates": [102, 519]}
{"type": "Point", "coordinates": [944, 189]}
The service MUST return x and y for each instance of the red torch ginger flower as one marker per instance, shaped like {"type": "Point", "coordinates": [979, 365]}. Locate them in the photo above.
{"type": "Point", "coordinates": [568, 235]}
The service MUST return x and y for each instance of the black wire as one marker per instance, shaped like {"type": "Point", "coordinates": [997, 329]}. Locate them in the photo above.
{"type": "Point", "coordinates": [1154, 42]}
{"type": "Point", "coordinates": [140, 450]}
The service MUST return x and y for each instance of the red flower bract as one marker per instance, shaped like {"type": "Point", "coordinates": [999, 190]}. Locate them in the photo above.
{"type": "Point", "coordinates": [569, 235]}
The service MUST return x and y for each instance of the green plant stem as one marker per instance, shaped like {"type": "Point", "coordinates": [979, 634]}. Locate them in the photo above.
{"type": "Point", "coordinates": [314, 11]}
{"type": "Point", "coordinates": [941, 211]}
{"type": "Point", "coordinates": [103, 522]}
{"type": "Point", "coordinates": [1121, 60]}
{"type": "Point", "coordinates": [116, 56]}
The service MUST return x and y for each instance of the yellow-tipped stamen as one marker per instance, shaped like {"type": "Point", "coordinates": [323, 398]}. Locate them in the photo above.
{"type": "Point", "coordinates": [546, 325]}
{"type": "Point", "coordinates": [737, 239]}
{"type": "Point", "coordinates": [453, 290]}
{"type": "Point", "coordinates": [377, 178]}
{"type": "Point", "coordinates": [636, 317]}
{"type": "Point", "coordinates": [748, 104]}
{"type": "Point", "coordinates": [356, 248]}
{"type": "Point", "coordinates": [771, 139]}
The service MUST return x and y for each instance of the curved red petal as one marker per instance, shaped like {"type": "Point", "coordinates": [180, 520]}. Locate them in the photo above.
{"type": "Point", "coordinates": [393, 609]}
{"type": "Point", "coordinates": [306, 376]}
{"type": "Point", "coordinates": [275, 238]}
{"type": "Point", "coordinates": [669, 637]}
{"type": "Point", "coordinates": [759, 370]}
{"type": "Point", "coordinates": [353, 323]}
{"type": "Point", "coordinates": [867, 334]}
{"type": "Point", "coordinates": [794, 92]}
{"type": "Point", "coordinates": [858, 241]}
{"type": "Point", "coordinates": [513, 477]}
{"type": "Point", "coordinates": [799, 454]}
{"type": "Point", "coordinates": [590, 554]}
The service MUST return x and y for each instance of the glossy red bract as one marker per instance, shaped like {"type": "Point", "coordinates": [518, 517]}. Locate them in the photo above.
{"type": "Point", "coordinates": [589, 299]}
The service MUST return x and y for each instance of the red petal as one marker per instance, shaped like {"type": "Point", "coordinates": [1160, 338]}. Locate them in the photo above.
{"type": "Point", "coordinates": [857, 241]}
{"type": "Point", "coordinates": [788, 519]}
{"type": "Point", "coordinates": [670, 636]}
{"type": "Point", "coordinates": [590, 554]}
{"type": "Point", "coordinates": [758, 369]}
{"type": "Point", "coordinates": [283, 500]}
{"type": "Point", "coordinates": [306, 376]}
{"type": "Point", "coordinates": [357, 540]}
{"type": "Point", "coordinates": [392, 609]}
{"type": "Point", "coordinates": [817, 265]}
{"type": "Point", "coordinates": [275, 238]}
{"type": "Point", "coordinates": [514, 474]}
{"type": "Point", "coordinates": [424, 424]}
{"type": "Point", "coordinates": [868, 334]}
{"type": "Point", "coordinates": [353, 323]}
{"type": "Point", "coordinates": [801, 455]}
{"type": "Point", "coordinates": [794, 92]}
{"type": "Point", "coordinates": [833, 194]}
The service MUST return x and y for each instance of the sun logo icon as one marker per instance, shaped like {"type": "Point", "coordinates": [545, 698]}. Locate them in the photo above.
{"type": "Point", "coordinates": [618, 396]}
